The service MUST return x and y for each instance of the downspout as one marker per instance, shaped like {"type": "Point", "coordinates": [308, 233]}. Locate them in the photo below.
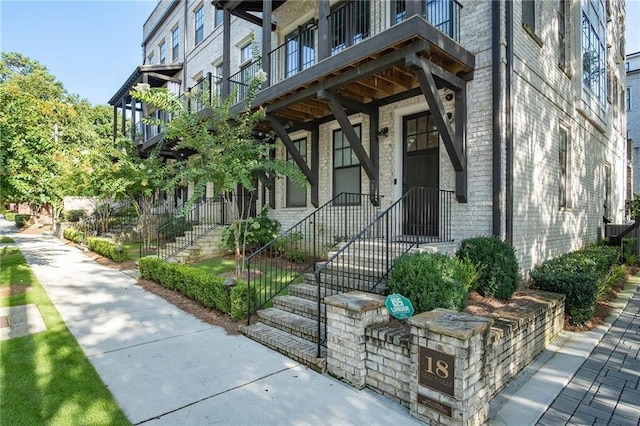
{"type": "Point", "coordinates": [184, 49]}
{"type": "Point", "coordinates": [509, 126]}
{"type": "Point", "coordinates": [495, 109]}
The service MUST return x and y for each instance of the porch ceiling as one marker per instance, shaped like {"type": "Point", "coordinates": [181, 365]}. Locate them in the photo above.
{"type": "Point", "coordinates": [367, 73]}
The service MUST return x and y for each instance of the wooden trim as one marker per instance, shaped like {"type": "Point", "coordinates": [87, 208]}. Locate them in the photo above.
{"type": "Point", "coordinates": [281, 132]}
{"type": "Point", "coordinates": [461, 138]}
{"type": "Point", "coordinates": [161, 77]}
{"type": "Point", "coordinates": [350, 133]}
{"type": "Point", "coordinates": [315, 166]}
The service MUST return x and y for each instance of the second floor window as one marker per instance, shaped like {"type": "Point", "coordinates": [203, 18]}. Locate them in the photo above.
{"type": "Point", "coordinates": [150, 59]}
{"type": "Point", "coordinates": [218, 18]}
{"type": "Point", "coordinates": [199, 24]}
{"type": "Point", "coordinates": [175, 44]}
{"type": "Point", "coordinates": [562, 43]}
{"type": "Point", "coordinates": [628, 98]}
{"type": "Point", "coordinates": [163, 52]}
{"type": "Point", "coordinates": [398, 11]}
{"type": "Point", "coordinates": [594, 53]}
{"type": "Point", "coordinates": [563, 164]}
{"type": "Point", "coordinates": [245, 54]}
{"type": "Point", "coordinates": [529, 14]}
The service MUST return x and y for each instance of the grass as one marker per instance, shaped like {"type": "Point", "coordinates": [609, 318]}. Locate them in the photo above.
{"type": "Point", "coordinates": [6, 240]}
{"type": "Point", "coordinates": [11, 217]}
{"type": "Point", "coordinates": [45, 378]}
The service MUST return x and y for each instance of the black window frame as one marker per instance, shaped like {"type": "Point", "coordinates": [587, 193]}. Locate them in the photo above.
{"type": "Point", "coordinates": [163, 52]}
{"type": "Point", "coordinates": [291, 185]}
{"type": "Point", "coordinates": [300, 38]}
{"type": "Point", "coordinates": [563, 166]}
{"type": "Point", "coordinates": [218, 17]}
{"type": "Point", "coordinates": [199, 24]}
{"type": "Point", "coordinates": [175, 44]}
{"type": "Point", "coordinates": [529, 14]}
{"type": "Point", "coordinates": [354, 162]}
{"type": "Point", "coordinates": [562, 33]}
{"type": "Point", "coordinates": [343, 22]}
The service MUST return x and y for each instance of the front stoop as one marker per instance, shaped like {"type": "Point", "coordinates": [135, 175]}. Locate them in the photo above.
{"type": "Point", "coordinates": [292, 346]}
{"type": "Point", "coordinates": [205, 246]}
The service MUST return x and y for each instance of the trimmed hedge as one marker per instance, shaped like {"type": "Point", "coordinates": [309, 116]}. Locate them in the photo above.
{"type": "Point", "coordinates": [74, 235]}
{"type": "Point", "coordinates": [107, 248]}
{"type": "Point", "coordinates": [432, 280]}
{"type": "Point", "coordinates": [576, 275]}
{"type": "Point", "coordinates": [198, 285]}
{"type": "Point", "coordinates": [496, 263]}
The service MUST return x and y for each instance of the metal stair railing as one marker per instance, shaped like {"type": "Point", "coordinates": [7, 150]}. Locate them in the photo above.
{"type": "Point", "coordinates": [422, 215]}
{"type": "Point", "coordinates": [210, 213]}
{"type": "Point", "coordinates": [286, 258]}
{"type": "Point", "coordinates": [108, 220]}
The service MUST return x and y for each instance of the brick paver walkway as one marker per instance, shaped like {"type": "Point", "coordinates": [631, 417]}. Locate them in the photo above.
{"type": "Point", "coordinates": [606, 389]}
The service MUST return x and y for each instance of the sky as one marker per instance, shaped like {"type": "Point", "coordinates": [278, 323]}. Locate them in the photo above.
{"type": "Point", "coordinates": [92, 46]}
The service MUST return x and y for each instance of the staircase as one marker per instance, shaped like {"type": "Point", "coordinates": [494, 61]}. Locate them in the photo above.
{"type": "Point", "coordinates": [291, 326]}
{"type": "Point", "coordinates": [295, 324]}
{"type": "Point", "coordinates": [201, 242]}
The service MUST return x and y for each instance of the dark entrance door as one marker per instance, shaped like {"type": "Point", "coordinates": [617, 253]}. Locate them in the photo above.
{"type": "Point", "coordinates": [421, 175]}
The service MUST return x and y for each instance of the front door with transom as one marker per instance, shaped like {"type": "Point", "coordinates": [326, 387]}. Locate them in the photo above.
{"type": "Point", "coordinates": [421, 175]}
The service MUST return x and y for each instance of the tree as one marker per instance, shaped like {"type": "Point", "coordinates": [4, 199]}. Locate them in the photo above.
{"type": "Point", "coordinates": [230, 154]}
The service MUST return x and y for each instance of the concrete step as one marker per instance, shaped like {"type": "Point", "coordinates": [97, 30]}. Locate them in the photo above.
{"type": "Point", "coordinates": [294, 347]}
{"type": "Point", "coordinates": [299, 306]}
{"type": "Point", "coordinates": [297, 325]}
{"type": "Point", "coordinates": [345, 283]}
{"type": "Point", "coordinates": [308, 290]}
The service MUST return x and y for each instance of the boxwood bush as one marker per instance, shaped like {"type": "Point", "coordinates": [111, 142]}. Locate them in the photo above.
{"type": "Point", "coordinates": [432, 280]}
{"type": "Point", "coordinates": [73, 234]}
{"type": "Point", "coordinates": [496, 263]}
{"type": "Point", "coordinates": [258, 231]}
{"type": "Point", "coordinates": [204, 287]}
{"type": "Point", "coordinates": [107, 248]}
{"type": "Point", "coordinates": [576, 275]}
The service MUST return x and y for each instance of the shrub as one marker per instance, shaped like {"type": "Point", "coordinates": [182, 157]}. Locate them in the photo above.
{"type": "Point", "coordinates": [177, 227]}
{"type": "Point", "coordinates": [22, 220]}
{"type": "Point", "coordinates": [240, 297]}
{"type": "Point", "coordinates": [258, 230]}
{"type": "Point", "coordinates": [576, 275]}
{"type": "Point", "coordinates": [107, 248]}
{"type": "Point", "coordinates": [496, 263]}
{"type": "Point", "coordinates": [432, 280]}
{"type": "Point", "coordinates": [74, 215]}
{"type": "Point", "coordinates": [198, 285]}
{"type": "Point", "coordinates": [73, 234]}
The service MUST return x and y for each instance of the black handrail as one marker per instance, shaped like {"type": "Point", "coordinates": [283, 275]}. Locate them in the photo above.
{"type": "Point", "coordinates": [208, 213]}
{"type": "Point", "coordinates": [110, 219]}
{"type": "Point", "coordinates": [283, 260]}
{"type": "Point", "coordinates": [422, 215]}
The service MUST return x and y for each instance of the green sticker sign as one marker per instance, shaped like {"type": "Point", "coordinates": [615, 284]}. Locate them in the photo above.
{"type": "Point", "coordinates": [399, 306]}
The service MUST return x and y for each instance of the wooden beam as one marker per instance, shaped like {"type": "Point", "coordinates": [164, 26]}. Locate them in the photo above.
{"type": "Point", "coordinates": [354, 105]}
{"type": "Point", "coordinates": [226, 53]}
{"type": "Point", "coordinates": [161, 77]}
{"type": "Point", "coordinates": [350, 133]}
{"type": "Point", "coordinates": [461, 137]}
{"type": "Point", "coordinates": [281, 132]}
{"type": "Point", "coordinates": [369, 68]}
{"type": "Point", "coordinates": [267, 6]}
{"type": "Point", "coordinates": [442, 76]}
{"type": "Point", "coordinates": [374, 184]}
{"type": "Point", "coordinates": [323, 29]}
{"type": "Point", "coordinates": [430, 91]}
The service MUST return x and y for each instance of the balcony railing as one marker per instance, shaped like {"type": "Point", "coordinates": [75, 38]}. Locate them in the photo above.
{"type": "Point", "coordinates": [349, 24]}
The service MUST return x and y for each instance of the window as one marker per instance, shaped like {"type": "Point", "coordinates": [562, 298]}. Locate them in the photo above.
{"type": "Point", "coordinates": [398, 11]}
{"type": "Point", "coordinates": [150, 59]}
{"type": "Point", "coordinates": [529, 14]}
{"type": "Point", "coordinates": [199, 24]}
{"type": "Point", "coordinates": [246, 54]}
{"type": "Point", "coordinates": [421, 133]}
{"type": "Point", "coordinates": [218, 17]}
{"type": "Point", "coordinates": [175, 44]}
{"type": "Point", "coordinates": [300, 49]}
{"type": "Point", "coordinates": [218, 80]}
{"type": "Point", "coordinates": [200, 91]}
{"type": "Point", "coordinates": [296, 194]}
{"type": "Point", "coordinates": [607, 192]}
{"type": "Point", "coordinates": [594, 55]}
{"type": "Point", "coordinates": [563, 165]}
{"type": "Point", "coordinates": [346, 168]}
{"type": "Point", "coordinates": [163, 52]}
{"type": "Point", "coordinates": [627, 98]}
{"type": "Point", "coordinates": [562, 43]}
{"type": "Point", "coordinates": [349, 24]}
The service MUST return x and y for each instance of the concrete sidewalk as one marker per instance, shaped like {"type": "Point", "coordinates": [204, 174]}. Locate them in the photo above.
{"type": "Point", "coordinates": [164, 366]}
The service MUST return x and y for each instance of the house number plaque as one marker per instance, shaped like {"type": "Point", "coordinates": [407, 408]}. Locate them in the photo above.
{"type": "Point", "coordinates": [436, 370]}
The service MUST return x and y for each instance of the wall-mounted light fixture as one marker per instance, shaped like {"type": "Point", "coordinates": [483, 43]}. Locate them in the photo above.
{"type": "Point", "coordinates": [383, 132]}
{"type": "Point", "coordinates": [448, 96]}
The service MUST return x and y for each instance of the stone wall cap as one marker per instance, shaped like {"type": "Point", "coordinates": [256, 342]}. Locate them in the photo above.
{"type": "Point", "coordinates": [355, 301]}
{"type": "Point", "coordinates": [460, 325]}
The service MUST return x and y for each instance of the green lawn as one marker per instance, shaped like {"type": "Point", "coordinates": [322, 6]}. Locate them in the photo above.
{"type": "Point", "coordinates": [6, 240]}
{"type": "Point", "coordinates": [45, 377]}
